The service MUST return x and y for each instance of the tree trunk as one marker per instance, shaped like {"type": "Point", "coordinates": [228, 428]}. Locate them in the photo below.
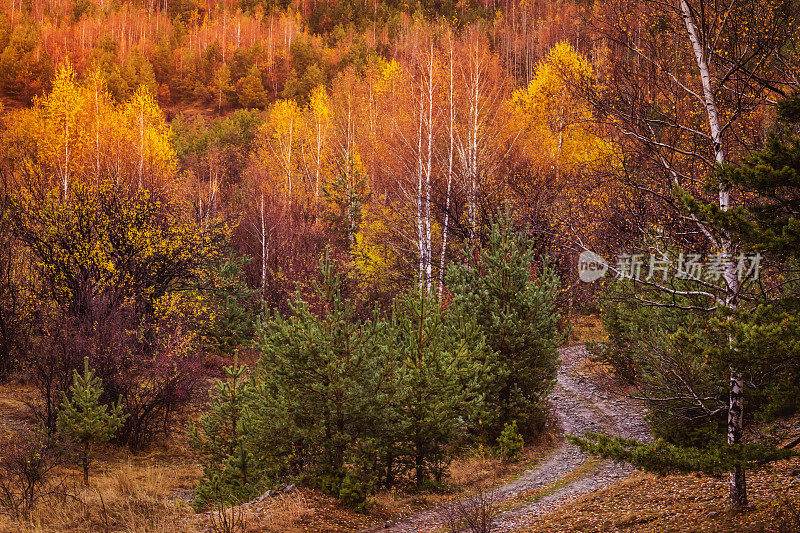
{"type": "Point", "coordinates": [85, 462]}
{"type": "Point", "coordinates": [66, 157]}
{"type": "Point", "coordinates": [428, 172]}
{"type": "Point", "coordinates": [263, 246]}
{"type": "Point", "coordinates": [419, 206]}
{"type": "Point", "coordinates": [141, 143]}
{"type": "Point", "coordinates": [97, 132]}
{"type": "Point", "coordinates": [738, 483]}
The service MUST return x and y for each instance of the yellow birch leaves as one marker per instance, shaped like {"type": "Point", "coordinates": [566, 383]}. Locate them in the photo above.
{"type": "Point", "coordinates": [558, 122]}
{"type": "Point", "coordinates": [77, 133]}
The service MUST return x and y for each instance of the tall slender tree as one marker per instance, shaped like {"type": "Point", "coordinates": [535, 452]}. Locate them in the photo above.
{"type": "Point", "coordinates": [683, 110]}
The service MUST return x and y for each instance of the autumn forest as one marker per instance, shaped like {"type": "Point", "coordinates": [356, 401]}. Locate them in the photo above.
{"type": "Point", "coordinates": [282, 265]}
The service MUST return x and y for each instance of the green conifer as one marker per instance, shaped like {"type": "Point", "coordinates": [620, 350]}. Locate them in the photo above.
{"type": "Point", "coordinates": [438, 363]}
{"type": "Point", "coordinates": [221, 437]}
{"type": "Point", "coordinates": [83, 420]}
{"type": "Point", "coordinates": [251, 90]}
{"type": "Point", "coordinates": [513, 300]}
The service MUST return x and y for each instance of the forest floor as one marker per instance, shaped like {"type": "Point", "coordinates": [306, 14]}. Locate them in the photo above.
{"type": "Point", "coordinates": [553, 487]}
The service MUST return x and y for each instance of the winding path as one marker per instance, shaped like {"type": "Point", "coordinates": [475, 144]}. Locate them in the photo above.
{"type": "Point", "coordinates": [580, 404]}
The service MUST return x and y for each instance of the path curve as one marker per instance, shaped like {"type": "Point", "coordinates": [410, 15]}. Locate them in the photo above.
{"type": "Point", "coordinates": [579, 404]}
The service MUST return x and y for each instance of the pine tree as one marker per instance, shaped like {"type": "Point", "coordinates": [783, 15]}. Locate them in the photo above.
{"type": "Point", "coordinates": [221, 437]}
{"type": "Point", "coordinates": [236, 308]}
{"type": "Point", "coordinates": [760, 338]}
{"type": "Point", "coordinates": [439, 365]}
{"type": "Point", "coordinates": [513, 301]}
{"type": "Point", "coordinates": [321, 378]}
{"type": "Point", "coordinates": [510, 442]}
{"type": "Point", "coordinates": [767, 333]}
{"type": "Point", "coordinates": [84, 420]}
{"type": "Point", "coordinates": [251, 90]}
{"type": "Point", "coordinates": [347, 404]}
{"type": "Point", "coordinates": [345, 197]}
{"type": "Point", "coordinates": [222, 84]}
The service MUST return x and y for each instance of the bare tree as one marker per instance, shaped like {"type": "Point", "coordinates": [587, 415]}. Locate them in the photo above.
{"type": "Point", "coordinates": [475, 514]}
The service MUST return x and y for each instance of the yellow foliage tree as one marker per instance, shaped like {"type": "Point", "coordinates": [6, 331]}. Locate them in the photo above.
{"type": "Point", "coordinates": [154, 152]}
{"type": "Point", "coordinates": [77, 134]}
{"type": "Point", "coordinates": [560, 135]}
{"type": "Point", "coordinates": [278, 142]}
{"type": "Point", "coordinates": [558, 123]}
{"type": "Point", "coordinates": [318, 120]}
{"type": "Point", "coordinates": [63, 138]}
{"type": "Point", "coordinates": [375, 260]}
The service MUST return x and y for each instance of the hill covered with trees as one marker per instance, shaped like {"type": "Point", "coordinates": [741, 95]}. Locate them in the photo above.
{"type": "Point", "coordinates": [358, 223]}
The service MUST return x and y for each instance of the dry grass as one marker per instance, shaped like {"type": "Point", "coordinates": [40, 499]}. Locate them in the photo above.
{"type": "Point", "coordinates": [587, 328]}
{"type": "Point", "coordinates": [686, 503]}
{"type": "Point", "coordinates": [480, 469]}
{"type": "Point", "coordinates": [468, 474]}
{"type": "Point", "coordinates": [126, 492]}
{"type": "Point", "coordinates": [285, 512]}
{"type": "Point", "coordinates": [14, 414]}
{"type": "Point", "coordinates": [129, 496]}
{"type": "Point", "coordinates": [150, 492]}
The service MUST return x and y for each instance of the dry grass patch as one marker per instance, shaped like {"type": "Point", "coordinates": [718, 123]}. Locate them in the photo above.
{"type": "Point", "coordinates": [126, 492]}
{"type": "Point", "coordinates": [647, 503]}
{"type": "Point", "coordinates": [14, 414]}
{"type": "Point", "coordinates": [471, 473]}
{"type": "Point", "coordinates": [481, 470]}
{"type": "Point", "coordinates": [301, 510]}
{"type": "Point", "coordinates": [588, 328]}
{"type": "Point", "coordinates": [285, 512]}
{"type": "Point", "coordinates": [131, 499]}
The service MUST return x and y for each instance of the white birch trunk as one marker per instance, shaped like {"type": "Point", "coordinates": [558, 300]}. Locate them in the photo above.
{"type": "Point", "coordinates": [96, 133]}
{"type": "Point", "coordinates": [264, 250]}
{"type": "Point", "coordinates": [418, 202]}
{"type": "Point", "coordinates": [428, 172]}
{"type": "Point", "coordinates": [289, 157]}
{"type": "Point", "coordinates": [141, 144]}
{"type": "Point", "coordinates": [66, 157]}
{"type": "Point", "coordinates": [318, 161]}
{"type": "Point", "coordinates": [738, 484]}
{"type": "Point", "coordinates": [473, 145]}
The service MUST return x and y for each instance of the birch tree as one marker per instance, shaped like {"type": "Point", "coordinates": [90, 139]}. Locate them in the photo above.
{"type": "Point", "coordinates": [413, 151]}
{"type": "Point", "coordinates": [318, 123]}
{"type": "Point", "coordinates": [697, 81]}
{"type": "Point", "coordinates": [483, 135]}
{"type": "Point", "coordinates": [425, 170]}
{"type": "Point", "coordinates": [77, 134]}
{"type": "Point", "coordinates": [151, 137]}
{"type": "Point", "coordinates": [450, 149]}
{"type": "Point", "coordinates": [63, 107]}
{"type": "Point", "coordinates": [563, 145]}
{"type": "Point", "coordinates": [278, 140]}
